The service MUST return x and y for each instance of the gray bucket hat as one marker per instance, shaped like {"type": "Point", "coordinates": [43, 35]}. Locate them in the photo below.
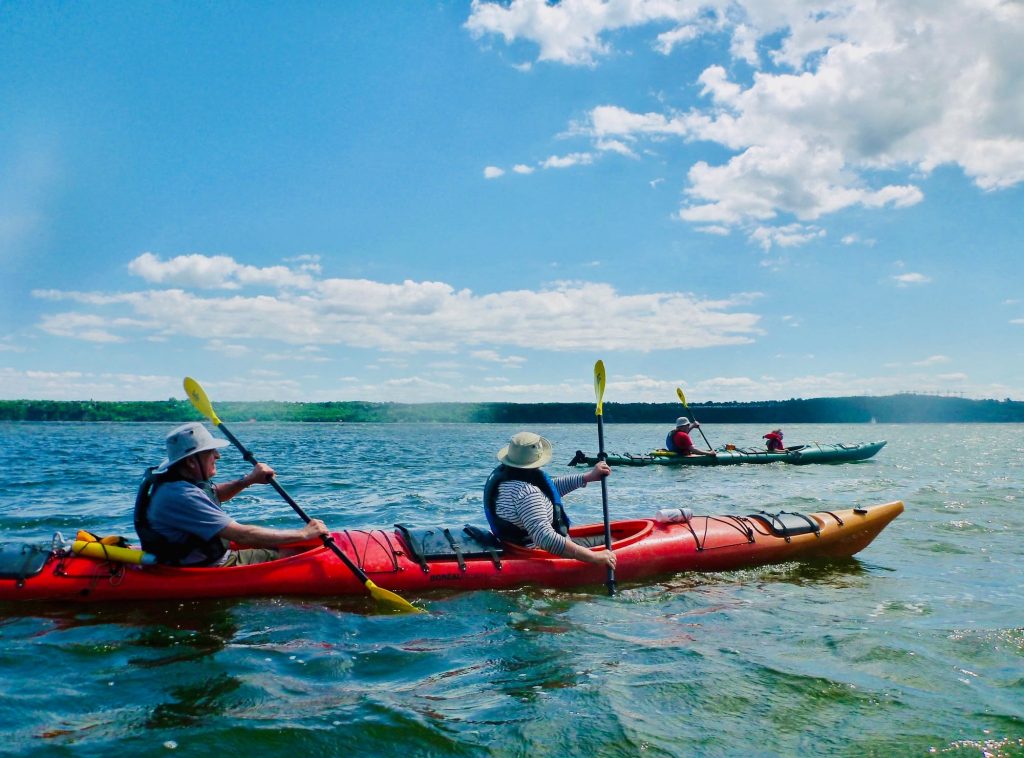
{"type": "Point", "coordinates": [185, 440]}
{"type": "Point", "coordinates": [683, 421]}
{"type": "Point", "coordinates": [525, 450]}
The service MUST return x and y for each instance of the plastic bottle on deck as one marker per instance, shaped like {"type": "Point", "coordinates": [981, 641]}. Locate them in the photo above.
{"type": "Point", "coordinates": [673, 515]}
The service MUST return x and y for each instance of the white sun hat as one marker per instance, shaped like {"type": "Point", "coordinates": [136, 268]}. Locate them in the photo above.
{"type": "Point", "coordinates": [188, 439]}
{"type": "Point", "coordinates": [525, 450]}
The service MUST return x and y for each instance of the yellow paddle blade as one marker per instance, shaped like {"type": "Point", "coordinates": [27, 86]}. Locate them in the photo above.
{"type": "Point", "coordinates": [599, 386]}
{"type": "Point", "coordinates": [399, 603]}
{"type": "Point", "coordinates": [199, 399]}
{"type": "Point", "coordinates": [682, 397]}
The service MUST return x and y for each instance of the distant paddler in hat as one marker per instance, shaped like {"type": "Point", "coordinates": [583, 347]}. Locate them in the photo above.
{"type": "Point", "coordinates": [178, 513]}
{"type": "Point", "coordinates": [678, 440]}
{"type": "Point", "coordinates": [524, 505]}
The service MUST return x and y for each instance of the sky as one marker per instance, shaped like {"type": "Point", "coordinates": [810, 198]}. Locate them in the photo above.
{"type": "Point", "coordinates": [475, 201]}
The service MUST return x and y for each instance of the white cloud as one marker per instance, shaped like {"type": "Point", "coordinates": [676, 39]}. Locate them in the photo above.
{"type": "Point", "coordinates": [843, 95]}
{"type": "Point", "coordinates": [932, 360]}
{"type": "Point", "coordinates": [567, 161]}
{"type": "Point", "coordinates": [790, 235]}
{"type": "Point", "coordinates": [521, 168]}
{"type": "Point", "coordinates": [910, 278]}
{"type": "Point", "coordinates": [217, 272]}
{"type": "Point", "coordinates": [493, 356]}
{"type": "Point", "coordinates": [78, 385]}
{"type": "Point", "coordinates": [408, 317]}
{"type": "Point", "coordinates": [615, 146]}
{"type": "Point", "coordinates": [226, 349]}
{"type": "Point", "coordinates": [493, 172]}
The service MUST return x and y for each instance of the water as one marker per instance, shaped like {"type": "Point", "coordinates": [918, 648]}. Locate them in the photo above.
{"type": "Point", "coordinates": [914, 647]}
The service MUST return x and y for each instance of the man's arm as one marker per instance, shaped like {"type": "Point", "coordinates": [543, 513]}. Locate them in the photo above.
{"type": "Point", "coordinates": [261, 474]}
{"type": "Point", "coordinates": [261, 536]}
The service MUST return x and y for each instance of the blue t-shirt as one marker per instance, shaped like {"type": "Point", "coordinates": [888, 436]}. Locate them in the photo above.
{"type": "Point", "coordinates": [179, 509]}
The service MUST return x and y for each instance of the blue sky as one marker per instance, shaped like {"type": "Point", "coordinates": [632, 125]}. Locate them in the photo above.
{"type": "Point", "coordinates": [475, 201]}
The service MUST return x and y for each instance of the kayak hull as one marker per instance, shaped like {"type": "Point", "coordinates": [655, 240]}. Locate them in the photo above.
{"type": "Point", "coordinates": [800, 455]}
{"type": "Point", "coordinates": [644, 549]}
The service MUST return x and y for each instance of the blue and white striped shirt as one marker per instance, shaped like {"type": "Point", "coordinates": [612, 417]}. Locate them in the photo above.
{"type": "Point", "coordinates": [526, 506]}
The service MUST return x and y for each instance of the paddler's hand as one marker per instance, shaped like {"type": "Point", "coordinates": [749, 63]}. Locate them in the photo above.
{"type": "Point", "coordinates": [599, 472]}
{"type": "Point", "coordinates": [261, 474]}
{"type": "Point", "coordinates": [315, 528]}
{"type": "Point", "coordinates": [607, 557]}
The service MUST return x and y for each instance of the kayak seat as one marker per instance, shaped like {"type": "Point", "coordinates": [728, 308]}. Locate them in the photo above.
{"type": "Point", "coordinates": [444, 544]}
{"type": "Point", "coordinates": [21, 561]}
{"type": "Point", "coordinates": [787, 524]}
{"type": "Point", "coordinates": [589, 540]}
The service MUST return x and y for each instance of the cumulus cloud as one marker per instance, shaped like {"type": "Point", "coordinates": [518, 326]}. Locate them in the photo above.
{"type": "Point", "coordinates": [218, 272]}
{"type": "Point", "coordinates": [567, 161]}
{"type": "Point", "coordinates": [397, 317]}
{"type": "Point", "coordinates": [839, 98]}
{"type": "Point", "coordinates": [790, 235]}
{"type": "Point", "coordinates": [493, 172]}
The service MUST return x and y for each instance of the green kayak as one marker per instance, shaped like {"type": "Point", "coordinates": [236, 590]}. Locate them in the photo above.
{"type": "Point", "coordinates": [816, 452]}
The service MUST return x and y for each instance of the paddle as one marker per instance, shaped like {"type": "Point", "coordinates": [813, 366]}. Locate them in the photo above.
{"type": "Point", "coordinates": [202, 404]}
{"type": "Point", "coordinates": [601, 455]}
{"type": "Point", "coordinates": [682, 399]}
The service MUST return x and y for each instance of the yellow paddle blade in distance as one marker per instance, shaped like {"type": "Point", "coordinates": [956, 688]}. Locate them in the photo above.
{"type": "Point", "coordinates": [682, 397]}
{"type": "Point", "coordinates": [199, 399]}
{"type": "Point", "coordinates": [599, 386]}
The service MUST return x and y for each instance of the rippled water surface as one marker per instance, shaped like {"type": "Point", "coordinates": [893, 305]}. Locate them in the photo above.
{"type": "Point", "coordinates": [914, 647]}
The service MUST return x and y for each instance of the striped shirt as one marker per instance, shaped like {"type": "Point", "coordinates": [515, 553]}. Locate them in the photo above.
{"type": "Point", "coordinates": [529, 508]}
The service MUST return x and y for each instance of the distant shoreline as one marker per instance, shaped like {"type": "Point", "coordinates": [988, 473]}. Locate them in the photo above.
{"type": "Point", "coordinates": [891, 409]}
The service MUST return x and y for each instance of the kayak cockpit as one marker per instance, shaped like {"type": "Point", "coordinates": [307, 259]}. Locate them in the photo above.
{"type": "Point", "coordinates": [592, 535]}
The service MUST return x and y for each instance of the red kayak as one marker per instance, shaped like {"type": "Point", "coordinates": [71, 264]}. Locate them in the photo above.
{"type": "Point", "coordinates": [413, 561]}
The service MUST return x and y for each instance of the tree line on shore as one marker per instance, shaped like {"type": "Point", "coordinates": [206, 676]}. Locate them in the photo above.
{"type": "Point", "coordinates": [903, 408]}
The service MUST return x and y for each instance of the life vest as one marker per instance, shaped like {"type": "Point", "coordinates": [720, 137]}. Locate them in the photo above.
{"type": "Point", "coordinates": [166, 551]}
{"type": "Point", "coordinates": [670, 444]}
{"type": "Point", "coordinates": [506, 530]}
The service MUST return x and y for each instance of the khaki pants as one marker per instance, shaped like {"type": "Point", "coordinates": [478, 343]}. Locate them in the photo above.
{"type": "Point", "coordinates": [250, 556]}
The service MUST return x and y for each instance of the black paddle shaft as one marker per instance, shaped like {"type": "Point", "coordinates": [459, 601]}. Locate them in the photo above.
{"type": "Point", "coordinates": [602, 456]}
{"type": "Point", "coordinates": [328, 540]}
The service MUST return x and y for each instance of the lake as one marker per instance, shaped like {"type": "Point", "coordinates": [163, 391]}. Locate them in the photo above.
{"type": "Point", "coordinates": [914, 647]}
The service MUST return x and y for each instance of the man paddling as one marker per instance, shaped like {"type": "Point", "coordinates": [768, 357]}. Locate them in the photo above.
{"type": "Point", "coordinates": [524, 505]}
{"type": "Point", "coordinates": [178, 513]}
{"type": "Point", "coordinates": [678, 440]}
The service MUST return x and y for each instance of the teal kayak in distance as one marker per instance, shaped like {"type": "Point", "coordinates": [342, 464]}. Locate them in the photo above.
{"type": "Point", "coordinates": [801, 455]}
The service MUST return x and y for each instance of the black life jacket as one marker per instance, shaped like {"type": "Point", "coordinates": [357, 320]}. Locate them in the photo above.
{"type": "Point", "coordinates": [166, 551]}
{"type": "Point", "coordinates": [506, 530]}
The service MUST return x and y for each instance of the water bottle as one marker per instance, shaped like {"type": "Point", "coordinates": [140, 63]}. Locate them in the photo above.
{"type": "Point", "coordinates": [673, 515]}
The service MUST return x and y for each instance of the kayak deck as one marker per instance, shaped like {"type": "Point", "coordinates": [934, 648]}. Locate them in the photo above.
{"type": "Point", "coordinates": [395, 561]}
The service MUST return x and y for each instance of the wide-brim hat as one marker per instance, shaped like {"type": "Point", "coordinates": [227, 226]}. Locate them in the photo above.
{"type": "Point", "coordinates": [526, 450]}
{"type": "Point", "coordinates": [185, 440]}
{"type": "Point", "coordinates": [682, 421]}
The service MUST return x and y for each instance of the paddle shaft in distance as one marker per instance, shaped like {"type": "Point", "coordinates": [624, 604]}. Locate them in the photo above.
{"type": "Point", "coordinates": [682, 399]}
{"type": "Point", "coordinates": [602, 456]}
{"type": "Point", "coordinates": [202, 403]}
